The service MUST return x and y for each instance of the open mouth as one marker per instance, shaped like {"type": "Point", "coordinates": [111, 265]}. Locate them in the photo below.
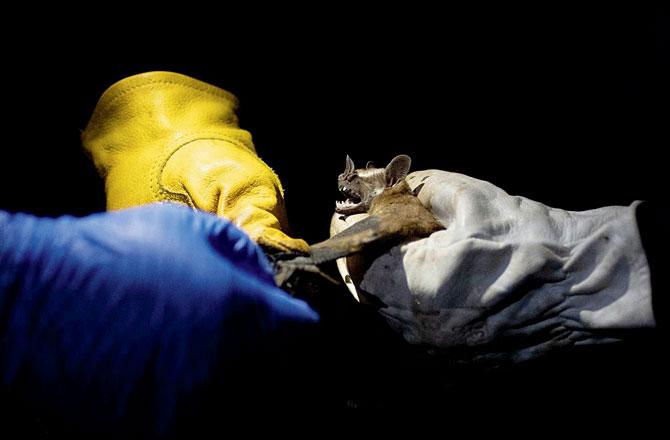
{"type": "Point", "coordinates": [352, 200]}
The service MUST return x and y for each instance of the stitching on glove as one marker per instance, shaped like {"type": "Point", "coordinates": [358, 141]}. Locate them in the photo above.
{"type": "Point", "coordinates": [190, 83]}
{"type": "Point", "coordinates": [162, 193]}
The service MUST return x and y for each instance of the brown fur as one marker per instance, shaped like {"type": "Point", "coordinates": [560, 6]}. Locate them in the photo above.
{"type": "Point", "coordinates": [403, 213]}
{"type": "Point", "coordinates": [396, 216]}
{"type": "Point", "coordinates": [402, 218]}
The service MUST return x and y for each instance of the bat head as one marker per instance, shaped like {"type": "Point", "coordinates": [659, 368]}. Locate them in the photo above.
{"type": "Point", "coordinates": [361, 186]}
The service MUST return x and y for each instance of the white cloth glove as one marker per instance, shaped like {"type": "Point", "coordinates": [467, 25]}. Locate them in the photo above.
{"type": "Point", "coordinates": [510, 272]}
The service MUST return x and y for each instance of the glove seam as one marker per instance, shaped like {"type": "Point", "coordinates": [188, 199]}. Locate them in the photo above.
{"type": "Point", "coordinates": [158, 166]}
{"type": "Point", "coordinates": [110, 96]}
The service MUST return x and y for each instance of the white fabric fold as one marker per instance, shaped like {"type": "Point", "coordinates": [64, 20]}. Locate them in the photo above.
{"type": "Point", "coordinates": [507, 267]}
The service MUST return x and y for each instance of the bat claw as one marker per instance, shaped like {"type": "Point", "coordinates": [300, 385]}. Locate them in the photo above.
{"type": "Point", "coordinates": [286, 269]}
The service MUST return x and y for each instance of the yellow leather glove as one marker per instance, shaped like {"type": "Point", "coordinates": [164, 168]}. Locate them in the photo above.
{"type": "Point", "coordinates": [162, 136]}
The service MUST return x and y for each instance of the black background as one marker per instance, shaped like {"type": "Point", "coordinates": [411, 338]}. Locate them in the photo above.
{"type": "Point", "coordinates": [565, 106]}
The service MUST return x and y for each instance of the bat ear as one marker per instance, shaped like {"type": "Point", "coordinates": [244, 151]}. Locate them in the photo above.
{"type": "Point", "coordinates": [349, 167]}
{"type": "Point", "coordinates": [397, 169]}
{"type": "Point", "coordinates": [369, 164]}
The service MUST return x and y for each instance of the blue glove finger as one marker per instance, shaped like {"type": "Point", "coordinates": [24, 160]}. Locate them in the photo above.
{"type": "Point", "coordinates": [233, 244]}
{"type": "Point", "coordinates": [288, 308]}
{"type": "Point", "coordinates": [142, 223]}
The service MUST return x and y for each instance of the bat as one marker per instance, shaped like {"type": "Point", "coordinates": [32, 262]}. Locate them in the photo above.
{"type": "Point", "coordinates": [395, 216]}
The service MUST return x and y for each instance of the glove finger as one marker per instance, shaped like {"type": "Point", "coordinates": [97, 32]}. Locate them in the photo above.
{"type": "Point", "coordinates": [269, 304]}
{"type": "Point", "coordinates": [289, 308]}
{"type": "Point", "coordinates": [235, 245]}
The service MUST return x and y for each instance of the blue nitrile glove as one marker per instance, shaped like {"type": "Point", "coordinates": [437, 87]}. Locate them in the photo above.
{"type": "Point", "coordinates": [134, 310]}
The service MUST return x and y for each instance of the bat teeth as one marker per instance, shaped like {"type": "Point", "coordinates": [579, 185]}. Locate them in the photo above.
{"type": "Point", "coordinates": [344, 204]}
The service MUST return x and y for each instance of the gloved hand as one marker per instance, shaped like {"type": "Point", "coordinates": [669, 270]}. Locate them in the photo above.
{"type": "Point", "coordinates": [132, 313]}
{"type": "Point", "coordinates": [510, 272]}
{"type": "Point", "coordinates": [162, 136]}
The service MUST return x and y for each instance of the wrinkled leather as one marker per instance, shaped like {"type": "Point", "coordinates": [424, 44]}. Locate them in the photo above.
{"type": "Point", "coordinates": [162, 136]}
{"type": "Point", "coordinates": [510, 270]}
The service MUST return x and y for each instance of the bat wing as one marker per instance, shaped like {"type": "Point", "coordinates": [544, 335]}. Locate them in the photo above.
{"type": "Point", "coordinates": [373, 234]}
{"type": "Point", "coordinates": [374, 231]}
{"type": "Point", "coordinates": [361, 235]}
{"type": "Point", "coordinates": [350, 241]}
